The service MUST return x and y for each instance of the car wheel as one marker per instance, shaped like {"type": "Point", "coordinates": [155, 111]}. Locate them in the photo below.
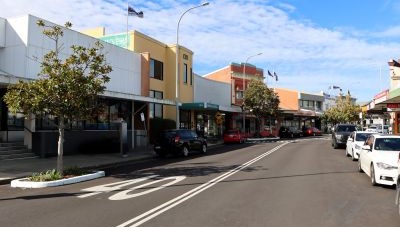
{"type": "Point", "coordinates": [185, 151]}
{"type": "Point", "coordinates": [352, 156]}
{"type": "Point", "coordinates": [204, 148]}
{"type": "Point", "coordinates": [161, 154]}
{"type": "Point", "coordinates": [373, 180]}
{"type": "Point", "coordinates": [359, 165]}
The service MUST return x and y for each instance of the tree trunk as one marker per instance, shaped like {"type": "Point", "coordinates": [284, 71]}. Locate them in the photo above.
{"type": "Point", "coordinates": [60, 164]}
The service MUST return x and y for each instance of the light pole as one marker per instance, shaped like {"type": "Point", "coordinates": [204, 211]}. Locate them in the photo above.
{"type": "Point", "coordinates": [244, 73]}
{"type": "Point", "coordinates": [177, 63]}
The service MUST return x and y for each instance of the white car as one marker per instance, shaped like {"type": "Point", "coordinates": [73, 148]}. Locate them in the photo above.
{"type": "Point", "coordinates": [355, 142]}
{"type": "Point", "coordinates": [378, 158]}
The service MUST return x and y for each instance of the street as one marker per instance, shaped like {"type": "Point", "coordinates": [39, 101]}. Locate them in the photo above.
{"type": "Point", "coordinates": [301, 182]}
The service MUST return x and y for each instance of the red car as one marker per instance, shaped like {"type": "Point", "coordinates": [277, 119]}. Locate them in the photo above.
{"type": "Point", "coordinates": [312, 131]}
{"type": "Point", "coordinates": [233, 136]}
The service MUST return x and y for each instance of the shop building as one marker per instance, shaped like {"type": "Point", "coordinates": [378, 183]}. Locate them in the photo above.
{"type": "Point", "coordinates": [22, 45]}
{"type": "Point", "coordinates": [213, 111]}
{"type": "Point", "coordinates": [238, 76]}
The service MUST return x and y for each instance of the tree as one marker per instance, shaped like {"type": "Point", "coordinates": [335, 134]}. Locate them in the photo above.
{"type": "Point", "coordinates": [345, 111]}
{"type": "Point", "coordinates": [65, 88]}
{"type": "Point", "coordinates": [260, 100]}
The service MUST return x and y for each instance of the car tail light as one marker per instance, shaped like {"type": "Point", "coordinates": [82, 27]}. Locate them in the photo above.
{"type": "Point", "coordinates": [176, 139]}
{"type": "Point", "coordinates": [309, 131]}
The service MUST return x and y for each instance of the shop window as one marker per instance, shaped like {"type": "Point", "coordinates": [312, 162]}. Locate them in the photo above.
{"type": "Point", "coordinates": [15, 121]}
{"type": "Point", "coordinates": [156, 109]}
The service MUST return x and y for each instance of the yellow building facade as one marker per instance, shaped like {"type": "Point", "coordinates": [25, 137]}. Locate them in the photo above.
{"type": "Point", "coordinates": [162, 76]}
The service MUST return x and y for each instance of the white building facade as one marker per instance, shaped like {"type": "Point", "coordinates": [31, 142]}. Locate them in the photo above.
{"type": "Point", "coordinates": [22, 47]}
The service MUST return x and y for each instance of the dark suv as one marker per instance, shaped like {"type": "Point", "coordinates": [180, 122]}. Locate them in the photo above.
{"type": "Point", "coordinates": [179, 142]}
{"type": "Point", "coordinates": [289, 132]}
{"type": "Point", "coordinates": [340, 134]}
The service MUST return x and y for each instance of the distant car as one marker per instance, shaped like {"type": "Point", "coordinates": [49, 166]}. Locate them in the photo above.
{"type": "Point", "coordinates": [355, 142]}
{"type": "Point", "coordinates": [341, 133]}
{"type": "Point", "coordinates": [311, 131]}
{"type": "Point", "coordinates": [289, 132]}
{"type": "Point", "coordinates": [379, 158]}
{"type": "Point", "coordinates": [179, 142]}
{"type": "Point", "coordinates": [233, 136]}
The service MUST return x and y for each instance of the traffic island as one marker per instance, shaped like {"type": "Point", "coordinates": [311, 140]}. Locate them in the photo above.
{"type": "Point", "coordinates": [26, 183]}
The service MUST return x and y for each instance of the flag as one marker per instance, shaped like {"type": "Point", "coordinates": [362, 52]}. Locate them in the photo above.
{"type": "Point", "coordinates": [132, 12]}
{"type": "Point", "coordinates": [269, 73]}
{"type": "Point", "coordinates": [276, 76]}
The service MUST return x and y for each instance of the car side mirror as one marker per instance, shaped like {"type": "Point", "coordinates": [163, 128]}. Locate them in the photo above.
{"type": "Point", "coordinates": [366, 147]}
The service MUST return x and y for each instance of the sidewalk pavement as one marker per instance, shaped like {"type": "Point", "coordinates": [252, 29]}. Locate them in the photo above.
{"type": "Point", "coordinates": [19, 168]}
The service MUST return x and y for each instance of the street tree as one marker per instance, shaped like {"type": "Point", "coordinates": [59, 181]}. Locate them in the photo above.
{"type": "Point", "coordinates": [67, 88]}
{"type": "Point", "coordinates": [260, 100]}
{"type": "Point", "coordinates": [345, 111]}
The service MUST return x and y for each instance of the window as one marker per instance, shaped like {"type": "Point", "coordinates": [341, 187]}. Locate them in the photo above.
{"type": "Point", "coordinates": [191, 76]}
{"type": "Point", "coordinates": [156, 110]}
{"type": "Point", "coordinates": [156, 69]}
{"type": "Point", "coordinates": [185, 73]}
{"type": "Point", "coordinates": [239, 94]}
{"type": "Point", "coordinates": [319, 105]}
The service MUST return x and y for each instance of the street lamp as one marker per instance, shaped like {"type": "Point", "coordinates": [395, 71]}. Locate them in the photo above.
{"type": "Point", "coordinates": [244, 73]}
{"type": "Point", "coordinates": [177, 63]}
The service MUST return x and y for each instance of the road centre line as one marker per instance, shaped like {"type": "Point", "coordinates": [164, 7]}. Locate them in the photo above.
{"type": "Point", "coordinates": [180, 199]}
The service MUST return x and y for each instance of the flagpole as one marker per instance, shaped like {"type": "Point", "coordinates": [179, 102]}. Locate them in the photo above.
{"type": "Point", "coordinates": [127, 15]}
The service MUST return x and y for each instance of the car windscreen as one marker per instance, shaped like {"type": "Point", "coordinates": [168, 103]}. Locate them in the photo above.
{"type": "Point", "coordinates": [387, 144]}
{"type": "Point", "coordinates": [346, 128]}
{"type": "Point", "coordinates": [362, 136]}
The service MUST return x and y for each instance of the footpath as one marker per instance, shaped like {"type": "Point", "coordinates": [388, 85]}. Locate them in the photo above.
{"type": "Point", "coordinates": [19, 168]}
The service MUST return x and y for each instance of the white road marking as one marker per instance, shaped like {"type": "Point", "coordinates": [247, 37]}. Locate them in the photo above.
{"type": "Point", "coordinates": [180, 199]}
{"type": "Point", "coordinates": [112, 186]}
{"type": "Point", "coordinates": [126, 194]}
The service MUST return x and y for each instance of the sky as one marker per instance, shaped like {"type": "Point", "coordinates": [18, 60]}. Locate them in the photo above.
{"type": "Point", "coordinates": [310, 44]}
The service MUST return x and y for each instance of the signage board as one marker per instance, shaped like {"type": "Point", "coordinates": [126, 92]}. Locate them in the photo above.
{"type": "Point", "coordinates": [118, 40]}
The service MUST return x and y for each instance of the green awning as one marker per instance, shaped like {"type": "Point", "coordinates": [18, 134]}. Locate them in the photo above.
{"type": "Point", "coordinates": [199, 106]}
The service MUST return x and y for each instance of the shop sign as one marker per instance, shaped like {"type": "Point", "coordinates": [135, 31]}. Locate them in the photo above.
{"type": "Point", "coordinates": [219, 119]}
{"type": "Point", "coordinates": [393, 107]}
{"type": "Point", "coordinates": [118, 40]}
{"type": "Point", "coordinates": [381, 97]}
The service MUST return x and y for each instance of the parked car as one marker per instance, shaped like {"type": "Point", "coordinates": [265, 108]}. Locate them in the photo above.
{"type": "Point", "coordinates": [341, 133]}
{"type": "Point", "coordinates": [289, 132]}
{"type": "Point", "coordinates": [355, 142]}
{"type": "Point", "coordinates": [378, 128]}
{"type": "Point", "coordinates": [311, 131]}
{"type": "Point", "coordinates": [379, 158]}
{"type": "Point", "coordinates": [179, 141]}
{"type": "Point", "coordinates": [233, 136]}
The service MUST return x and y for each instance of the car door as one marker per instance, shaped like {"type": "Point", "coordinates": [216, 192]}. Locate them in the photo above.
{"type": "Point", "coordinates": [368, 155]}
{"type": "Point", "coordinates": [195, 142]}
{"type": "Point", "coordinates": [349, 143]}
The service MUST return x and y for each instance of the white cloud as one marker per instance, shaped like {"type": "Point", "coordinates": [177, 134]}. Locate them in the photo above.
{"type": "Point", "coordinates": [306, 57]}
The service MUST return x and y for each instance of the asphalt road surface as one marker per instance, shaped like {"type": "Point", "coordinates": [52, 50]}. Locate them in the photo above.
{"type": "Point", "coordinates": [288, 183]}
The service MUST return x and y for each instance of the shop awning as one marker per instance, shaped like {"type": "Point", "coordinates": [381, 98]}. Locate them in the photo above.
{"type": "Point", "coordinates": [199, 106]}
